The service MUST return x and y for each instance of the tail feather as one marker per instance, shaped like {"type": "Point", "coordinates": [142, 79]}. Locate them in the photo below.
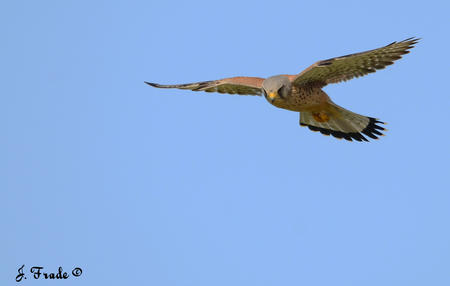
{"type": "Point", "coordinates": [342, 123]}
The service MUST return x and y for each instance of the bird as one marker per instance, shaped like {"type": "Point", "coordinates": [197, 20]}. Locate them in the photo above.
{"type": "Point", "coordinates": [303, 92]}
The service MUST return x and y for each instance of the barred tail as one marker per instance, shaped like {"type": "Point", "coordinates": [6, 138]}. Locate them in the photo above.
{"type": "Point", "coordinates": [341, 123]}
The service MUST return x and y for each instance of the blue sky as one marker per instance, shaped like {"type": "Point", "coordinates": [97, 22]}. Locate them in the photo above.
{"type": "Point", "coordinates": [141, 186]}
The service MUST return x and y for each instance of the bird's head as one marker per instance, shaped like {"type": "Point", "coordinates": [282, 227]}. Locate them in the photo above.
{"type": "Point", "coordinates": [276, 87]}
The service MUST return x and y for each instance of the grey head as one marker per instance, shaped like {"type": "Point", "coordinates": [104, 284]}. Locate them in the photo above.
{"type": "Point", "coordinates": [276, 87]}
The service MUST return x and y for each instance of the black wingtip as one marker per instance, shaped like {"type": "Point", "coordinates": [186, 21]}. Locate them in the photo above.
{"type": "Point", "coordinates": [152, 84]}
{"type": "Point", "coordinates": [412, 39]}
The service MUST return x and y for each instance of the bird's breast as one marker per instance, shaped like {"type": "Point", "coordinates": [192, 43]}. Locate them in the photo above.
{"type": "Point", "coordinates": [301, 99]}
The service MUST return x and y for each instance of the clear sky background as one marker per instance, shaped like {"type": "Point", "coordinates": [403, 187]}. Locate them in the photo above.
{"type": "Point", "coordinates": [143, 186]}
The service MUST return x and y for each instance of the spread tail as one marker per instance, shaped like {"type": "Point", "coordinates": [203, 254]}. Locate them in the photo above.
{"type": "Point", "coordinates": [334, 120]}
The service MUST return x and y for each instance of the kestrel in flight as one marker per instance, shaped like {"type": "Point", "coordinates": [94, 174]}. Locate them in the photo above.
{"type": "Point", "coordinates": [303, 92]}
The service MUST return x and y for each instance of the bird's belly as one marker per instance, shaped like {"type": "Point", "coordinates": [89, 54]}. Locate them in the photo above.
{"type": "Point", "coordinates": [302, 99]}
{"type": "Point", "coordinates": [293, 106]}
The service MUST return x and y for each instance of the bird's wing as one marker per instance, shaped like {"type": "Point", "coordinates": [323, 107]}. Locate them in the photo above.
{"type": "Point", "coordinates": [354, 65]}
{"type": "Point", "coordinates": [233, 85]}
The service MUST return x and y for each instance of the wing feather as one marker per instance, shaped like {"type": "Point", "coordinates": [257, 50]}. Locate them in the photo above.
{"type": "Point", "coordinates": [233, 85]}
{"type": "Point", "coordinates": [354, 65]}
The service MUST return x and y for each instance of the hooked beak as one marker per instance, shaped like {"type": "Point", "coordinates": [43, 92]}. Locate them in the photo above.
{"type": "Point", "coordinates": [272, 96]}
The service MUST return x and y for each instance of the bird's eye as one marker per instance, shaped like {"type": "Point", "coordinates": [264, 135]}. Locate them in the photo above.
{"type": "Point", "coordinates": [280, 92]}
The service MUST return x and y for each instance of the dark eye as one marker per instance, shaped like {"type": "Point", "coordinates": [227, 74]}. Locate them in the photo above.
{"type": "Point", "coordinates": [280, 92]}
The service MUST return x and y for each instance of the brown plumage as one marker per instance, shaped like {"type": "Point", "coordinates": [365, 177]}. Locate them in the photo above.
{"type": "Point", "coordinates": [303, 92]}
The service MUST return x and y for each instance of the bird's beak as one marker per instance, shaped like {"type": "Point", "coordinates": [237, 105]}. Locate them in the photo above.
{"type": "Point", "coordinates": [272, 96]}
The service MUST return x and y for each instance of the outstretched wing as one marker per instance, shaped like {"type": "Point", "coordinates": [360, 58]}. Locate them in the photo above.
{"type": "Point", "coordinates": [354, 65]}
{"type": "Point", "coordinates": [232, 85]}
